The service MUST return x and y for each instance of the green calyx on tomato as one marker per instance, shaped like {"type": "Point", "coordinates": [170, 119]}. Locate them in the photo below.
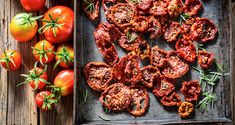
{"type": "Point", "coordinates": [49, 101]}
{"type": "Point", "coordinates": [50, 24]}
{"type": "Point", "coordinates": [42, 53]}
{"type": "Point", "coordinates": [28, 18]}
{"type": "Point", "coordinates": [35, 77]}
{"type": "Point", "coordinates": [7, 59]}
{"type": "Point", "coordinates": [64, 56]}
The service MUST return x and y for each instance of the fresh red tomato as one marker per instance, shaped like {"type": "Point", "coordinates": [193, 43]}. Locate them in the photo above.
{"type": "Point", "coordinates": [11, 59]}
{"type": "Point", "coordinates": [45, 100]}
{"type": "Point", "coordinates": [58, 24]}
{"type": "Point", "coordinates": [33, 5]}
{"type": "Point", "coordinates": [64, 56]}
{"type": "Point", "coordinates": [64, 81]}
{"type": "Point", "coordinates": [36, 78]}
{"type": "Point", "coordinates": [24, 27]}
{"type": "Point", "coordinates": [43, 51]}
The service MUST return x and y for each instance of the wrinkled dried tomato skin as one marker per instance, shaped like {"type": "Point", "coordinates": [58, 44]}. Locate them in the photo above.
{"type": "Point", "coordinates": [159, 8]}
{"type": "Point", "coordinates": [205, 59]}
{"type": "Point", "coordinates": [127, 70]}
{"type": "Point", "coordinates": [186, 50]}
{"type": "Point", "coordinates": [144, 50]}
{"type": "Point", "coordinates": [116, 97]}
{"type": "Point", "coordinates": [92, 14]}
{"type": "Point", "coordinates": [171, 100]}
{"type": "Point", "coordinates": [204, 30]}
{"type": "Point", "coordinates": [150, 73]}
{"type": "Point", "coordinates": [163, 87]}
{"type": "Point", "coordinates": [175, 8]}
{"type": "Point", "coordinates": [140, 100]}
{"type": "Point", "coordinates": [192, 7]}
{"type": "Point", "coordinates": [155, 28]}
{"type": "Point", "coordinates": [191, 90]}
{"type": "Point", "coordinates": [186, 27]}
{"type": "Point", "coordinates": [140, 23]}
{"type": "Point", "coordinates": [130, 40]}
{"type": "Point", "coordinates": [172, 32]}
{"type": "Point", "coordinates": [105, 34]}
{"type": "Point", "coordinates": [98, 75]}
{"type": "Point", "coordinates": [142, 5]}
{"type": "Point", "coordinates": [185, 109]}
{"type": "Point", "coordinates": [158, 56]}
{"type": "Point", "coordinates": [174, 66]}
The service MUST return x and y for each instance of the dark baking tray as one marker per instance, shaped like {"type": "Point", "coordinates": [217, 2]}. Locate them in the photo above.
{"type": "Point", "coordinates": [86, 51]}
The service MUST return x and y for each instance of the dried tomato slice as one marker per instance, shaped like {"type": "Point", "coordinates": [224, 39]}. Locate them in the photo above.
{"type": "Point", "coordinates": [91, 8]}
{"type": "Point", "coordinates": [127, 70]}
{"type": "Point", "coordinates": [205, 59]}
{"type": "Point", "coordinates": [155, 28]}
{"type": "Point", "coordinates": [175, 67]}
{"type": "Point", "coordinates": [98, 75]}
{"type": "Point", "coordinates": [121, 15]}
{"type": "Point", "coordinates": [144, 50]}
{"type": "Point", "coordinates": [186, 26]}
{"type": "Point", "coordinates": [171, 100]}
{"type": "Point", "coordinates": [163, 87]}
{"type": "Point", "coordinates": [175, 8]}
{"type": "Point", "coordinates": [159, 8]}
{"type": "Point", "coordinates": [116, 97]}
{"type": "Point", "coordinates": [186, 49]}
{"type": "Point", "coordinates": [105, 34]}
{"type": "Point", "coordinates": [150, 73]}
{"type": "Point", "coordinates": [192, 7]}
{"type": "Point", "coordinates": [140, 23]}
{"type": "Point", "coordinates": [140, 100]}
{"type": "Point", "coordinates": [158, 56]}
{"type": "Point", "coordinates": [191, 90]}
{"type": "Point", "coordinates": [185, 109]}
{"type": "Point", "coordinates": [172, 32]}
{"type": "Point", "coordinates": [204, 30]}
{"type": "Point", "coordinates": [143, 5]}
{"type": "Point", "coordinates": [130, 40]}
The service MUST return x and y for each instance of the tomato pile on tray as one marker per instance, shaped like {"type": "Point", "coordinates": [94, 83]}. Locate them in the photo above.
{"type": "Point", "coordinates": [122, 81]}
{"type": "Point", "coordinates": [57, 28]}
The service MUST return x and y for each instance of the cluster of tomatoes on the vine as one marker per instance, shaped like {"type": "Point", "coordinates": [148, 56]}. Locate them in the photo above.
{"type": "Point", "coordinates": [57, 27]}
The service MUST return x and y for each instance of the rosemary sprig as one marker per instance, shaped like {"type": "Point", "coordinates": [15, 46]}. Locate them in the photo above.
{"type": "Point", "coordinates": [183, 17]}
{"type": "Point", "coordinates": [90, 5]}
{"type": "Point", "coordinates": [131, 36]}
{"type": "Point", "coordinates": [85, 95]}
{"type": "Point", "coordinates": [209, 99]}
{"type": "Point", "coordinates": [105, 119]}
{"type": "Point", "coordinates": [135, 1]}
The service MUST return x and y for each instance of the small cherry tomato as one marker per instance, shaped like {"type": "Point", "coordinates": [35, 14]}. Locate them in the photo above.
{"type": "Point", "coordinates": [64, 82]}
{"type": "Point", "coordinates": [64, 56]}
{"type": "Point", "coordinates": [11, 60]}
{"type": "Point", "coordinates": [45, 100]}
{"type": "Point", "coordinates": [23, 27]}
{"type": "Point", "coordinates": [36, 78]}
{"type": "Point", "coordinates": [43, 51]}
{"type": "Point", "coordinates": [33, 5]}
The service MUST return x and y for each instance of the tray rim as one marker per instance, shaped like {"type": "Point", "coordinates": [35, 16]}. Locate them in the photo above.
{"type": "Point", "coordinates": [225, 119]}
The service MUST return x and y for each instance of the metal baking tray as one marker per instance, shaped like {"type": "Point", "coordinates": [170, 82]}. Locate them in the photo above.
{"type": "Point", "coordinates": [86, 51]}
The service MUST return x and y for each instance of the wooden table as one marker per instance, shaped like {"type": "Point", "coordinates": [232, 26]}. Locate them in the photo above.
{"type": "Point", "coordinates": [17, 103]}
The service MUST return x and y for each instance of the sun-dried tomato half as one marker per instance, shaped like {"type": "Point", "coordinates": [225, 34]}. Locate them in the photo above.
{"type": "Point", "coordinates": [142, 5]}
{"type": "Point", "coordinates": [144, 50]}
{"type": "Point", "coordinates": [174, 66]}
{"type": "Point", "coordinates": [98, 75]}
{"type": "Point", "coordinates": [205, 59]}
{"type": "Point", "coordinates": [140, 100]}
{"type": "Point", "coordinates": [140, 23]}
{"type": "Point", "coordinates": [191, 90]}
{"type": "Point", "coordinates": [130, 40]}
{"type": "Point", "coordinates": [116, 97]}
{"type": "Point", "coordinates": [158, 56]}
{"type": "Point", "coordinates": [155, 28]}
{"type": "Point", "coordinates": [91, 8]}
{"type": "Point", "coordinates": [185, 109]}
{"type": "Point", "coordinates": [186, 26]}
{"type": "Point", "coordinates": [105, 34]}
{"type": "Point", "coordinates": [186, 50]}
{"type": "Point", "coordinates": [175, 8]}
{"type": "Point", "coordinates": [159, 8]}
{"type": "Point", "coordinates": [171, 100]}
{"type": "Point", "coordinates": [121, 15]}
{"type": "Point", "coordinates": [192, 7]}
{"type": "Point", "coordinates": [127, 70]}
{"type": "Point", "coordinates": [163, 87]}
{"type": "Point", "coordinates": [172, 32]}
{"type": "Point", "coordinates": [204, 30]}
{"type": "Point", "coordinates": [150, 73]}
